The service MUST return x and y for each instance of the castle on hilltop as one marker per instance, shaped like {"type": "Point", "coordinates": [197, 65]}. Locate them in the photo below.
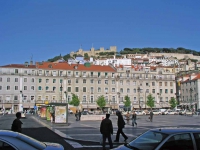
{"type": "Point", "coordinates": [93, 52]}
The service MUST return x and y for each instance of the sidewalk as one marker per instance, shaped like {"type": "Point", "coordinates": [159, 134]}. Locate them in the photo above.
{"type": "Point", "coordinates": [82, 140]}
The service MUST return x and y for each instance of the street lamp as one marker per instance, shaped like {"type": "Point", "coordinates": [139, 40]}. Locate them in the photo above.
{"type": "Point", "coordinates": [191, 90]}
{"type": "Point", "coordinates": [21, 99]}
{"type": "Point", "coordinates": [61, 88]}
{"type": "Point", "coordinates": [118, 98]}
{"type": "Point", "coordinates": [145, 99]}
{"type": "Point", "coordinates": [138, 89]}
{"type": "Point", "coordinates": [66, 96]}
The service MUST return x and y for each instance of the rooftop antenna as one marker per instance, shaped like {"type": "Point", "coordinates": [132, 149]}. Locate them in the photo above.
{"type": "Point", "coordinates": [81, 46]}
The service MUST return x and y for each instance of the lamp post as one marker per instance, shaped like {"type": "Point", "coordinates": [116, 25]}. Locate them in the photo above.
{"type": "Point", "coordinates": [20, 103]}
{"type": "Point", "coordinates": [61, 88]}
{"type": "Point", "coordinates": [145, 99]}
{"type": "Point", "coordinates": [191, 90]}
{"type": "Point", "coordinates": [118, 98]}
{"type": "Point", "coordinates": [138, 89]}
{"type": "Point", "coordinates": [66, 97]}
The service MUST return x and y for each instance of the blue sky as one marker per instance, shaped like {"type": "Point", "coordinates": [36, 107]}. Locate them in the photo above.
{"type": "Point", "coordinates": [42, 29]}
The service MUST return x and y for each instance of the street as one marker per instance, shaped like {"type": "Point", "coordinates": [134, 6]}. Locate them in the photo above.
{"type": "Point", "coordinates": [85, 134]}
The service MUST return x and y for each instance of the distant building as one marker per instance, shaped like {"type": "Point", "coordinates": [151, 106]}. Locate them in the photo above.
{"type": "Point", "coordinates": [93, 52]}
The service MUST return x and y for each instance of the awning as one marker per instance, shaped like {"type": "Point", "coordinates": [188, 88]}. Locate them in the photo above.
{"type": "Point", "coordinates": [135, 106]}
{"type": "Point", "coordinates": [28, 105]}
{"type": "Point", "coordinates": [157, 106]}
{"type": "Point", "coordinates": [114, 106]}
{"type": "Point", "coordinates": [7, 105]}
{"type": "Point", "coordinates": [165, 105]}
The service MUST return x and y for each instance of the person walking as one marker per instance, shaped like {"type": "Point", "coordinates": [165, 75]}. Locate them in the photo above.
{"type": "Point", "coordinates": [17, 124]}
{"type": "Point", "coordinates": [106, 129]}
{"type": "Point", "coordinates": [76, 115]}
{"type": "Point", "coordinates": [79, 115]}
{"type": "Point", "coordinates": [127, 117]}
{"type": "Point", "coordinates": [134, 117]}
{"type": "Point", "coordinates": [120, 124]}
{"type": "Point", "coordinates": [151, 116]}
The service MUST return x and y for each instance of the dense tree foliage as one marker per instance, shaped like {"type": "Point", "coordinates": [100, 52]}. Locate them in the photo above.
{"type": "Point", "coordinates": [159, 50]}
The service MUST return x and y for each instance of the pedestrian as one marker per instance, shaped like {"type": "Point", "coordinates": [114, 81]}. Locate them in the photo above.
{"type": "Point", "coordinates": [79, 115]}
{"type": "Point", "coordinates": [76, 115]}
{"type": "Point", "coordinates": [106, 130]}
{"type": "Point", "coordinates": [120, 124]}
{"type": "Point", "coordinates": [151, 116]}
{"type": "Point", "coordinates": [127, 117]}
{"type": "Point", "coordinates": [17, 124]}
{"type": "Point", "coordinates": [134, 117]}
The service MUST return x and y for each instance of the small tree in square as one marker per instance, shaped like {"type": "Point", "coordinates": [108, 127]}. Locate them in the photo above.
{"type": "Point", "coordinates": [173, 102]}
{"type": "Point", "coordinates": [101, 102]}
{"type": "Point", "coordinates": [127, 102]}
{"type": "Point", "coordinates": [75, 100]}
{"type": "Point", "coordinates": [150, 101]}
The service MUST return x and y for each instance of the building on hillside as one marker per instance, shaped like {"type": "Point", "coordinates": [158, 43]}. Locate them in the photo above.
{"type": "Point", "coordinates": [93, 52]}
{"type": "Point", "coordinates": [114, 61]}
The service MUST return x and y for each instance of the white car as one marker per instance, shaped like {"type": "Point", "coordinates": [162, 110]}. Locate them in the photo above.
{"type": "Point", "coordinates": [156, 112]}
{"type": "Point", "coordinates": [171, 112]}
{"type": "Point", "coordinates": [17, 141]}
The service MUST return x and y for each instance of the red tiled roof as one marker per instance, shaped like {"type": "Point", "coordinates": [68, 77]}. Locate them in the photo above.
{"type": "Point", "coordinates": [18, 66]}
{"type": "Point", "coordinates": [197, 77]}
{"type": "Point", "coordinates": [80, 67]}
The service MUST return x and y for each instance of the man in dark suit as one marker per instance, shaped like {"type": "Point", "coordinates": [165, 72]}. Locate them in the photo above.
{"type": "Point", "coordinates": [106, 130]}
{"type": "Point", "coordinates": [120, 124]}
{"type": "Point", "coordinates": [17, 124]}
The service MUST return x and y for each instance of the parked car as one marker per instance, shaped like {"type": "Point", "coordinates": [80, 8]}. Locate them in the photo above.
{"type": "Point", "coordinates": [10, 140]}
{"type": "Point", "coordinates": [172, 112]}
{"type": "Point", "coordinates": [166, 112]}
{"type": "Point", "coordinates": [165, 139]}
{"type": "Point", "coordinates": [156, 112]}
{"type": "Point", "coordinates": [188, 113]}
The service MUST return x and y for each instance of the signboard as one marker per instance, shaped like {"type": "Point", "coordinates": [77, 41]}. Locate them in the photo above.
{"type": "Point", "coordinates": [48, 113]}
{"type": "Point", "coordinates": [60, 114]}
{"type": "Point", "coordinates": [43, 112]}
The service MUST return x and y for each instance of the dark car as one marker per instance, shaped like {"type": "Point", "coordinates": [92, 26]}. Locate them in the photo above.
{"type": "Point", "coordinates": [165, 139]}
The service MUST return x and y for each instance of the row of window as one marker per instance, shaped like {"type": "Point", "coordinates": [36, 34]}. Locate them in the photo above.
{"type": "Point", "coordinates": [84, 89]}
{"type": "Point", "coordinates": [128, 82]}
{"type": "Point", "coordinates": [84, 98]}
{"type": "Point", "coordinates": [17, 80]}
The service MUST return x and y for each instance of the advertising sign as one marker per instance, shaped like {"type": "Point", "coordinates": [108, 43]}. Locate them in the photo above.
{"type": "Point", "coordinates": [48, 114]}
{"type": "Point", "coordinates": [43, 112]}
{"type": "Point", "coordinates": [60, 114]}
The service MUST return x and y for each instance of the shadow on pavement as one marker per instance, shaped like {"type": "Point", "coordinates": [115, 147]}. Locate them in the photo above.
{"type": "Point", "coordinates": [46, 135]}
